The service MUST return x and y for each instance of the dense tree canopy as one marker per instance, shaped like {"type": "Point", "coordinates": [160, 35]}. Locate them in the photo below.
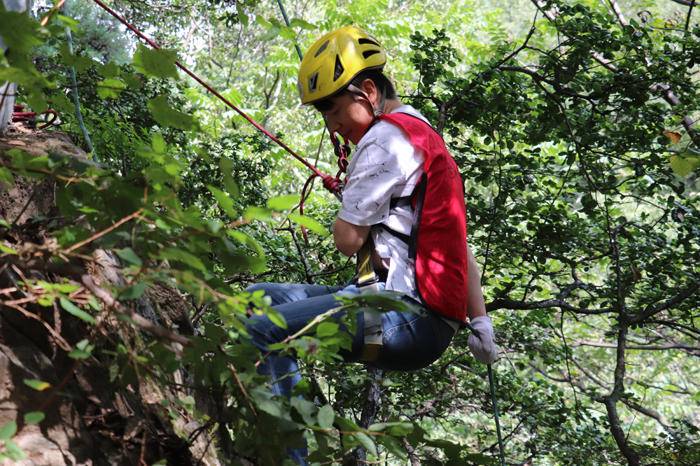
{"type": "Point", "coordinates": [573, 124]}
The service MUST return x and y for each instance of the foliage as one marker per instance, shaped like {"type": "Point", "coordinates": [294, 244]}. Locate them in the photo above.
{"type": "Point", "coordinates": [581, 178]}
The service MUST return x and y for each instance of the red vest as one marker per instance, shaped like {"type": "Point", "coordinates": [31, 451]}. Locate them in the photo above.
{"type": "Point", "coordinates": [438, 240]}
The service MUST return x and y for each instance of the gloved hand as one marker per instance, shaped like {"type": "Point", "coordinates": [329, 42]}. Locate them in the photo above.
{"type": "Point", "coordinates": [481, 341]}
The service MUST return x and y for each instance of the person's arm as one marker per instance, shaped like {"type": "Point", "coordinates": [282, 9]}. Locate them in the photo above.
{"type": "Point", "coordinates": [481, 341]}
{"type": "Point", "coordinates": [349, 238]}
{"type": "Point", "coordinates": [475, 305]}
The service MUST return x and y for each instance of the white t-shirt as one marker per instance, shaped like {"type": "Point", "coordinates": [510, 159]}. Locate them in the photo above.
{"type": "Point", "coordinates": [385, 166]}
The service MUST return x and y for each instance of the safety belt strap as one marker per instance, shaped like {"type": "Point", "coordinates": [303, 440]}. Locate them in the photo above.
{"type": "Point", "coordinates": [368, 281]}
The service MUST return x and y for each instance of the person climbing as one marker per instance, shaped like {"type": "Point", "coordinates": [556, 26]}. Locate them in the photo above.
{"type": "Point", "coordinates": [402, 212]}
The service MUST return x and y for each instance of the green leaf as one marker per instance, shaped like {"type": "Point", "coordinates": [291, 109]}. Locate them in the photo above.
{"type": "Point", "coordinates": [399, 429]}
{"type": "Point", "coordinates": [309, 223]}
{"type": "Point", "coordinates": [76, 311]}
{"type": "Point", "coordinates": [327, 329]}
{"type": "Point", "coordinates": [159, 63]}
{"type": "Point", "coordinates": [34, 417]}
{"type": "Point", "coordinates": [128, 255]}
{"type": "Point", "coordinates": [15, 75]}
{"type": "Point", "coordinates": [158, 143]}
{"type": "Point", "coordinates": [165, 115]}
{"type": "Point", "coordinates": [226, 166]}
{"type": "Point", "coordinates": [184, 257]}
{"type": "Point", "coordinates": [110, 88]}
{"type": "Point", "coordinates": [224, 201]}
{"type": "Point", "coordinates": [326, 415]}
{"type": "Point", "coordinates": [257, 213]}
{"type": "Point", "coordinates": [283, 202]}
{"type": "Point", "coordinates": [110, 70]}
{"type": "Point", "coordinates": [19, 31]}
{"type": "Point", "coordinates": [6, 176]}
{"type": "Point", "coordinates": [38, 385]}
{"type": "Point", "coordinates": [6, 249]}
{"type": "Point", "coordinates": [133, 292]}
{"type": "Point", "coordinates": [13, 451]}
{"type": "Point", "coordinates": [682, 165]}
{"type": "Point", "coordinates": [242, 16]}
{"type": "Point", "coordinates": [300, 23]}
{"type": "Point", "coordinates": [305, 408]}
{"type": "Point", "coordinates": [276, 318]}
{"type": "Point", "coordinates": [8, 430]}
{"type": "Point", "coordinates": [366, 442]}
{"type": "Point", "coordinates": [83, 350]}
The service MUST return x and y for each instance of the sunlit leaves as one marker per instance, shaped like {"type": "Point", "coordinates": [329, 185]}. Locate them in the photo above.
{"type": "Point", "coordinates": [224, 201]}
{"type": "Point", "coordinates": [283, 202]}
{"type": "Point", "coordinates": [166, 115]}
{"type": "Point", "coordinates": [110, 88]}
{"type": "Point", "coordinates": [159, 63]}
{"type": "Point", "coordinates": [310, 223]}
{"type": "Point", "coordinates": [683, 165]}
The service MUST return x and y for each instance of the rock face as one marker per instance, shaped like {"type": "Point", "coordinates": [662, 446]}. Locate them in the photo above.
{"type": "Point", "coordinates": [90, 417]}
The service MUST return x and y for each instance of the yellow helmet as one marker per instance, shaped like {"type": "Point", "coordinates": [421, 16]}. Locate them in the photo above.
{"type": "Point", "coordinates": [335, 59]}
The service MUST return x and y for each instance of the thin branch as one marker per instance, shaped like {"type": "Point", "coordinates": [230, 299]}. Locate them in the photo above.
{"type": "Point", "coordinates": [687, 18]}
{"type": "Point", "coordinates": [104, 232]}
{"type": "Point", "coordinates": [689, 3]}
{"type": "Point", "coordinates": [602, 344]}
{"type": "Point", "coordinates": [616, 9]}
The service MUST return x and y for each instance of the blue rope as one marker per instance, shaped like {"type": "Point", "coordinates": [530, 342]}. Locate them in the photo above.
{"type": "Point", "coordinates": [492, 384]}
{"type": "Point", "coordinates": [76, 101]}
{"type": "Point", "coordinates": [494, 402]}
{"type": "Point", "coordinates": [286, 20]}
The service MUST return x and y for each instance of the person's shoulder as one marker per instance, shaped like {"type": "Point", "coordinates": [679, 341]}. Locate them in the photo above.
{"type": "Point", "coordinates": [410, 110]}
{"type": "Point", "coordinates": [383, 134]}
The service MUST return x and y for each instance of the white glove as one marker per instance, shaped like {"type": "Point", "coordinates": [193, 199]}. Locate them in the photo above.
{"type": "Point", "coordinates": [481, 341]}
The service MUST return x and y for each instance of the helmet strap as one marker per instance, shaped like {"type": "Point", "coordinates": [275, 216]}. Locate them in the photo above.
{"type": "Point", "coordinates": [376, 111]}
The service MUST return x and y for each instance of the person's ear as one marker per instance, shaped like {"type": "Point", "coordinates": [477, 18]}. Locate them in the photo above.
{"type": "Point", "coordinates": [370, 89]}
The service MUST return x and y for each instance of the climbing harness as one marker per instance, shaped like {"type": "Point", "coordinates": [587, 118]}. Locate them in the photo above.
{"type": "Point", "coordinates": [329, 182]}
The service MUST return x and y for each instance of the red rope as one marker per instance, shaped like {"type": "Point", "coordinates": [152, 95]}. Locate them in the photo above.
{"type": "Point", "coordinates": [332, 184]}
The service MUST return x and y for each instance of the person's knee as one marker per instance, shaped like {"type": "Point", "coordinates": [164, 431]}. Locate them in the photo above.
{"type": "Point", "coordinates": [258, 286]}
{"type": "Point", "coordinates": [260, 329]}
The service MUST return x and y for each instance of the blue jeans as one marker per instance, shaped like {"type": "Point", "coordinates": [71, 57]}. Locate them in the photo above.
{"type": "Point", "coordinates": [411, 340]}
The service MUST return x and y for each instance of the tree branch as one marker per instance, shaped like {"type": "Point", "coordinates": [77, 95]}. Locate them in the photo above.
{"type": "Point", "coordinates": [654, 309]}
{"type": "Point", "coordinates": [602, 344]}
{"type": "Point", "coordinates": [616, 9]}
{"type": "Point", "coordinates": [504, 303]}
{"type": "Point", "coordinates": [618, 392]}
{"type": "Point", "coordinates": [690, 3]}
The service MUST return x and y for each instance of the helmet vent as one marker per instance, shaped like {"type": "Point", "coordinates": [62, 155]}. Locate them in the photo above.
{"type": "Point", "coordinates": [321, 48]}
{"type": "Point", "coordinates": [365, 40]}
{"type": "Point", "coordinates": [338, 68]}
{"type": "Point", "coordinates": [369, 53]}
{"type": "Point", "coordinates": [313, 82]}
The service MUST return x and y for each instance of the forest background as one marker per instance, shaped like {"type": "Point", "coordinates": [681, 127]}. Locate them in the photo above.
{"type": "Point", "coordinates": [573, 126]}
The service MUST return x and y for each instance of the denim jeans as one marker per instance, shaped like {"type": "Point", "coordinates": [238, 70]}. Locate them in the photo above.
{"type": "Point", "coordinates": [411, 340]}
